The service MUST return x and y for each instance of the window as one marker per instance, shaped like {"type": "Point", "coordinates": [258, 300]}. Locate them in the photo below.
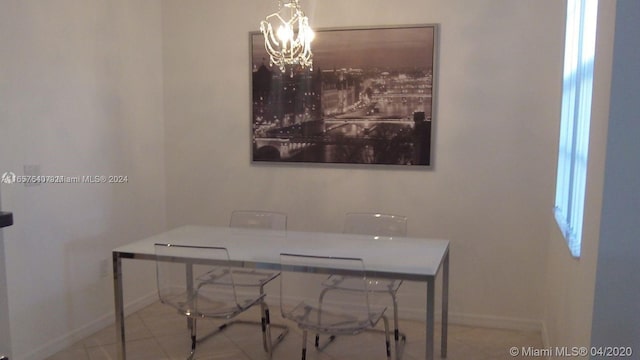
{"type": "Point", "coordinates": [575, 118]}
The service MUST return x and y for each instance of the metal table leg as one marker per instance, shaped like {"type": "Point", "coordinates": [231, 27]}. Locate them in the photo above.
{"type": "Point", "coordinates": [119, 302]}
{"type": "Point", "coordinates": [429, 351]}
{"type": "Point", "coordinates": [445, 306]}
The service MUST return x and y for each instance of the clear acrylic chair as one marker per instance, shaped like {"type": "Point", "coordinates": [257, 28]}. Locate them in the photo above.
{"type": "Point", "coordinates": [246, 278]}
{"type": "Point", "coordinates": [184, 276]}
{"type": "Point", "coordinates": [258, 219]}
{"type": "Point", "coordinates": [342, 311]}
{"type": "Point", "coordinates": [386, 226]}
{"type": "Point", "coordinates": [252, 219]}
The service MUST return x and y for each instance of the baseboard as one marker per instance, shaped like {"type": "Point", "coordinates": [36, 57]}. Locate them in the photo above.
{"type": "Point", "coordinates": [488, 321]}
{"type": "Point", "coordinates": [72, 337]}
{"type": "Point", "coordinates": [455, 318]}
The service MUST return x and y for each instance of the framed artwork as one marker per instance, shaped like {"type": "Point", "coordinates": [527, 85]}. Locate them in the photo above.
{"type": "Point", "coordinates": [368, 99]}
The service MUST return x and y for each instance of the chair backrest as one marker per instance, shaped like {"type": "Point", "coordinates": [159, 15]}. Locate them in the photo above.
{"type": "Point", "coordinates": [375, 224]}
{"type": "Point", "coordinates": [182, 272]}
{"type": "Point", "coordinates": [258, 219]}
{"type": "Point", "coordinates": [306, 290]}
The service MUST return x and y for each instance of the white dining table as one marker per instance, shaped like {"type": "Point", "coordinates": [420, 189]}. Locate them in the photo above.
{"type": "Point", "coordinates": [402, 258]}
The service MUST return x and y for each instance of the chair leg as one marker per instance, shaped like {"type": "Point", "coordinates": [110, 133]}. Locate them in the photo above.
{"type": "Point", "coordinates": [266, 325]}
{"type": "Point", "coordinates": [331, 337]}
{"type": "Point", "coordinates": [396, 331]}
{"type": "Point", "coordinates": [322, 294]}
{"type": "Point", "coordinates": [387, 337]}
{"type": "Point", "coordinates": [323, 346]}
{"type": "Point", "coordinates": [267, 341]}
{"type": "Point", "coordinates": [397, 336]}
{"type": "Point", "coordinates": [194, 323]}
{"type": "Point", "coordinates": [304, 345]}
{"type": "Point", "coordinates": [266, 329]}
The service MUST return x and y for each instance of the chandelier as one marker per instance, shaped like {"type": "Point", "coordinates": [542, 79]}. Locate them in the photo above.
{"type": "Point", "coordinates": [288, 36]}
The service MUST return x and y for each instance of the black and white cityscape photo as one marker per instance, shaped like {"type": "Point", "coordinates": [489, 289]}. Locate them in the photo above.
{"type": "Point", "coordinates": [368, 99]}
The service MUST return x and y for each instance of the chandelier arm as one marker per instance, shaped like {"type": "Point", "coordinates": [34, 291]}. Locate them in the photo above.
{"type": "Point", "coordinates": [268, 32]}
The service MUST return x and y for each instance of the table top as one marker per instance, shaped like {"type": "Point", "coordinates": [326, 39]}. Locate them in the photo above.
{"type": "Point", "coordinates": [397, 257]}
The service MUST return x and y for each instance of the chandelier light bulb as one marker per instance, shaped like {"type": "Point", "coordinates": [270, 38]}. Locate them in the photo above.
{"type": "Point", "coordinates": [310, 35]}
{"type": "Point", "coordinates": [285, 34]}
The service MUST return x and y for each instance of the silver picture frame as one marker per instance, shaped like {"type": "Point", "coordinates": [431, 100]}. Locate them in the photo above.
{"type": "Point", "coordinates": [368, 99]}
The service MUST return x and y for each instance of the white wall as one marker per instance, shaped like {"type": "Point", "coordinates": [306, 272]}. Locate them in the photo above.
{"type": "Point", "coordinates": [85, 88]}
{"type": "Point", "coordinates": [616, 312]}
{"type": "Point", "coordinates": [491, 190]}
{"type": "Point", "coordinates": [80, 94]}
{"type": "Point", "coordinates": [570, 282]}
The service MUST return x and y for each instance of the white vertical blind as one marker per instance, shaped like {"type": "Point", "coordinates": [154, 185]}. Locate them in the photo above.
{"type": "Point", "coordinates": [580, 39]}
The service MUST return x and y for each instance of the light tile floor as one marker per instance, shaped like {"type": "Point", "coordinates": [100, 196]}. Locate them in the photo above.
{"type": "Point", "coordinates": [158, 333]}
